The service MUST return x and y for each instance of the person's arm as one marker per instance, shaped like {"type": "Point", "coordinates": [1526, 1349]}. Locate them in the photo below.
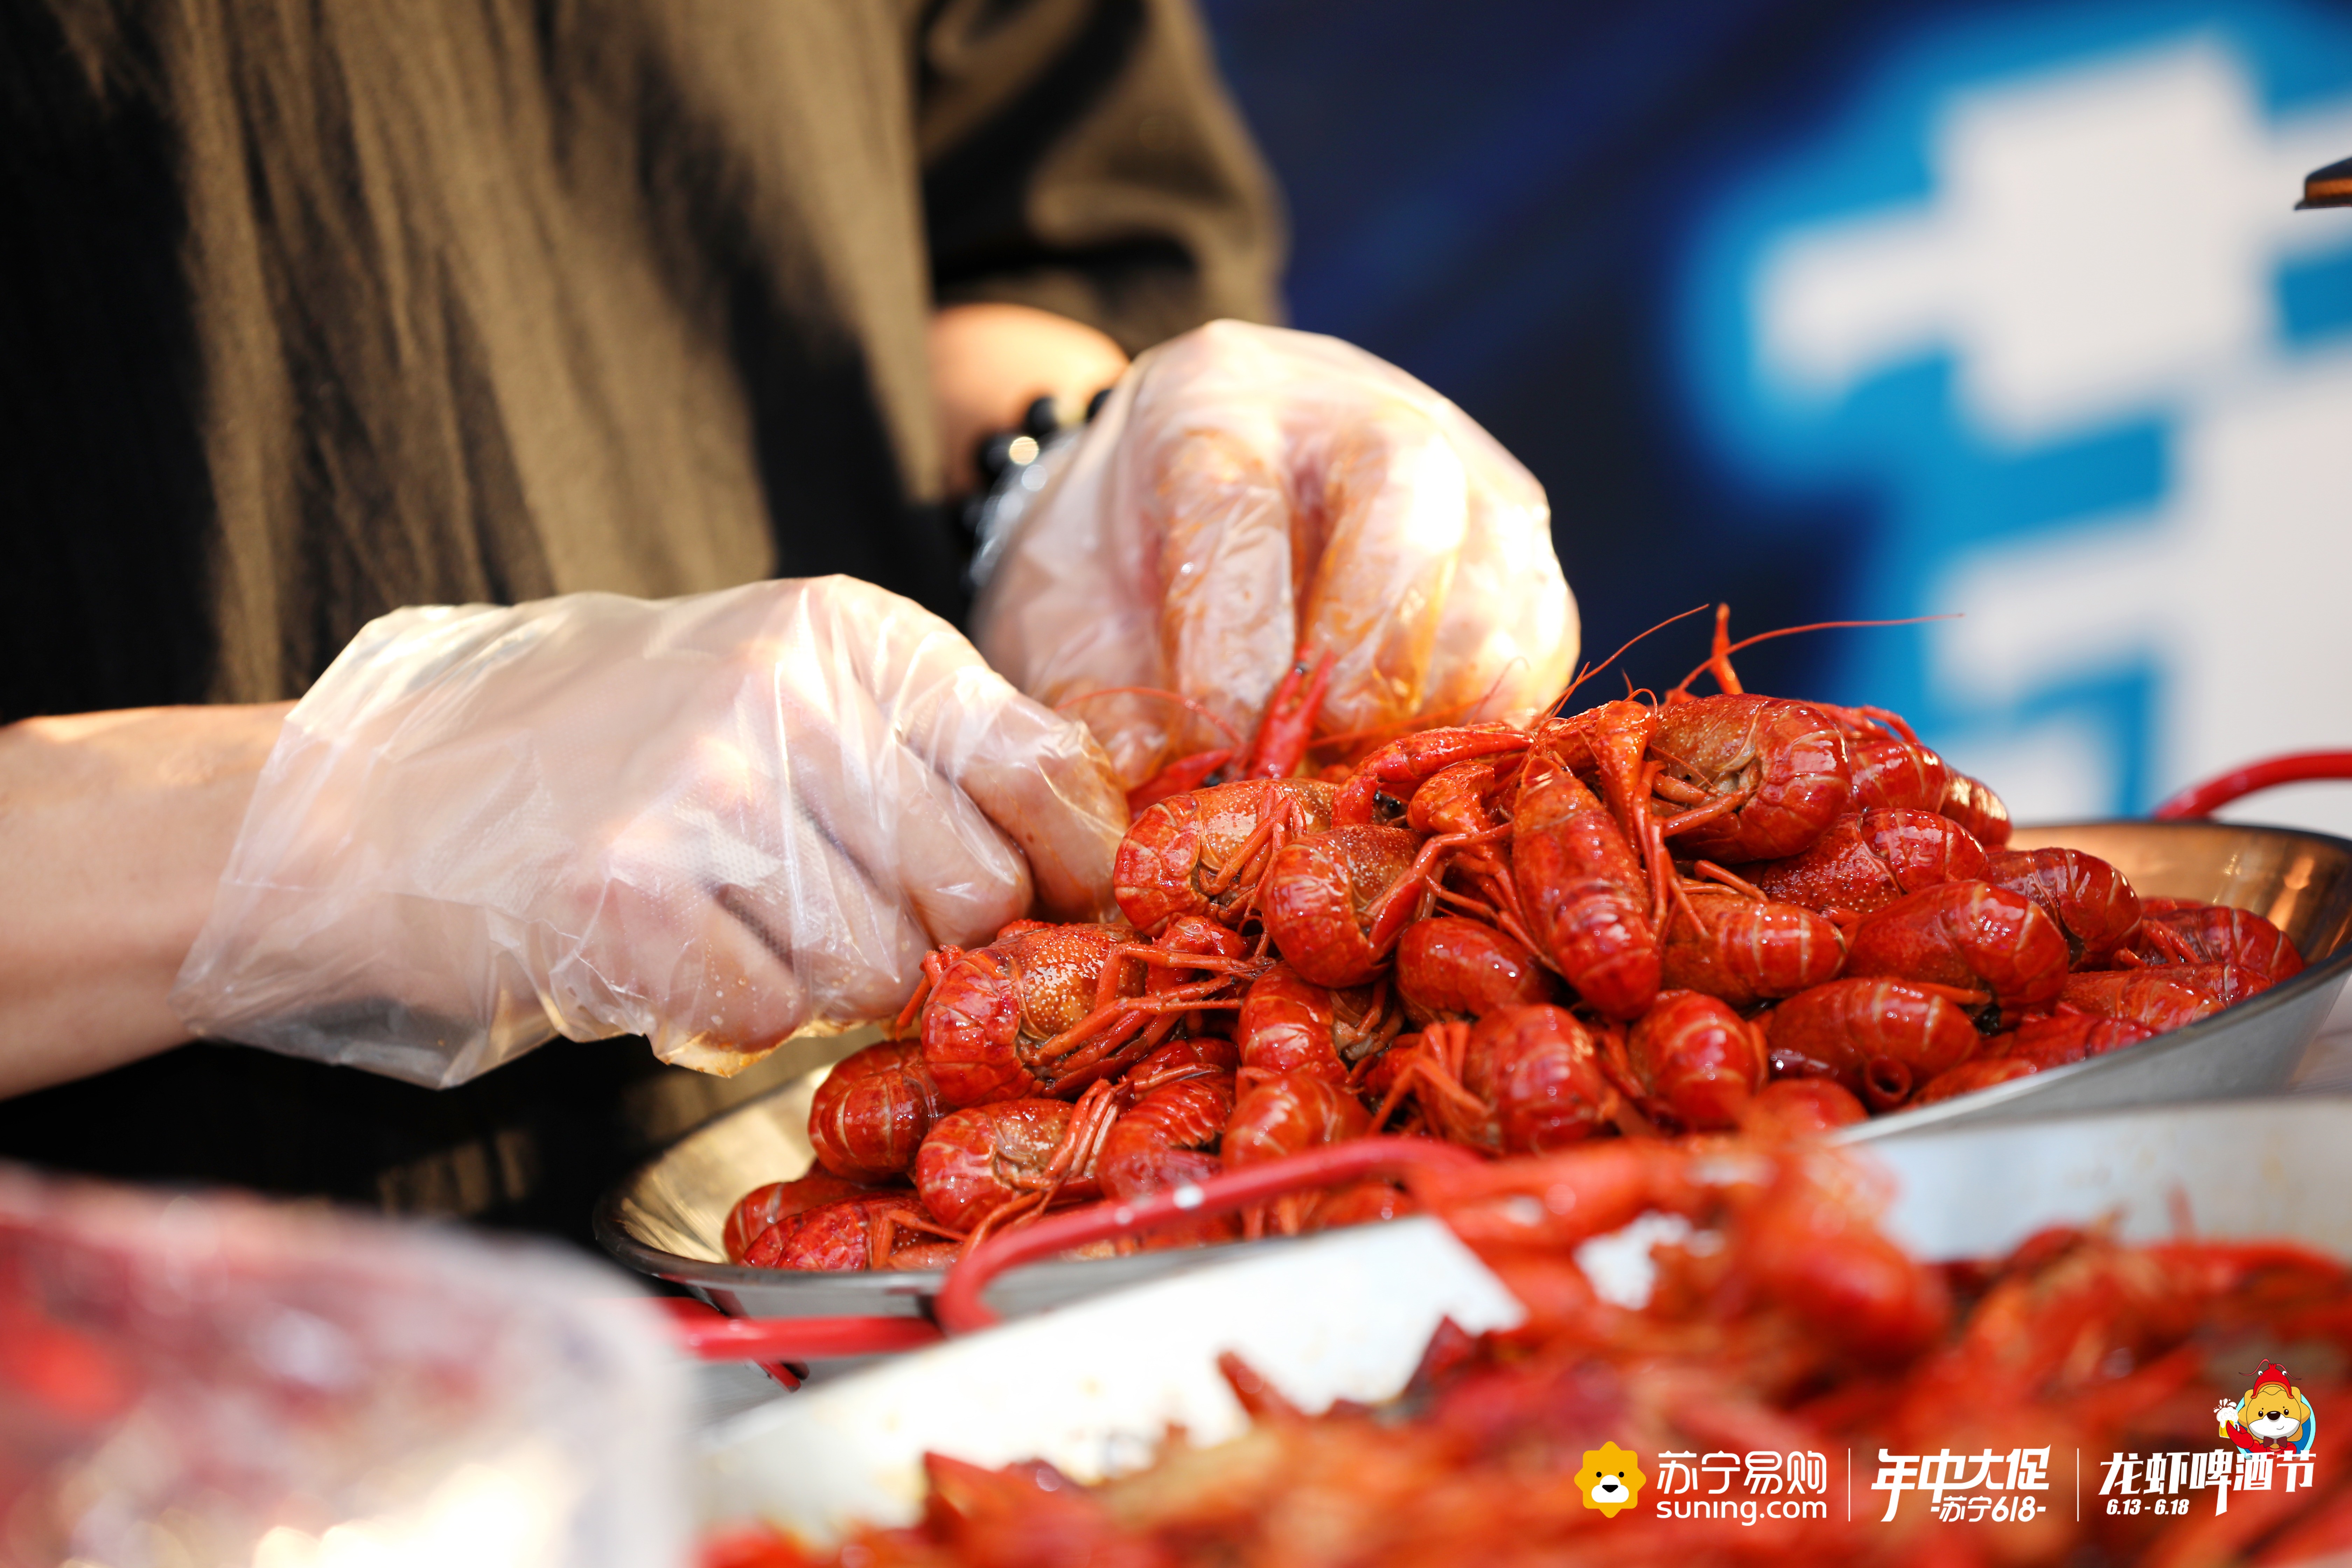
{"type": "Point", "coordinates": [114, 829]}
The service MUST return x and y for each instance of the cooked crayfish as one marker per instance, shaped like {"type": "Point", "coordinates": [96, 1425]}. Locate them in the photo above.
{"type": "Point", "coordinates": [988, 1163]}
{"type": "Point", "coordinates": [2094, 907]}
{"type": "Point", "coordinates": [1880, 1038]}
{"type": "Point", "coordinates": [1994, 948]}
{"type": "Point", "coordinates": [1587, 900]}
{"type": "Point", "coordinates": [1747, 951]}
{"type": "Point", "coordinates": [2165, 997]}
{"type": "Point", "coordinates": [1290, 1024]}
{"type": "Point", "coordinates": [873, 1111]}
{"type": "Point", "coordinates": [887, 1230]}
{"type": "Point", "coordinates": [1524, 1080]}
{"type": "Point", "coordinates": [2175, 930]}
{"type": "Point", "coordinates": [1691, 1061]}
{"type": "Point", "coordinates": [1680, 916]}
{"type": "Point", "coordinates": [1449, 967]}
{"type": "Point", "coordinates": [1203, 852]}
{"type": "Point", "coordinates": [1864, 860]}
{"type": "Point", "coordinates": [1050, 1010]}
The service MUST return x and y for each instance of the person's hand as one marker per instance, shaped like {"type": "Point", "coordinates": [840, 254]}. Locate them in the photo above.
{"type": "Point", "coordinates": [714, 821]}
{"type": "Point", "coordinates": [1249, 492]}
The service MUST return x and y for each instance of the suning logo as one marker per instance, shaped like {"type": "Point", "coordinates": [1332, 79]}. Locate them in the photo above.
{"type": "Point", "coordinates": [1611, 1479]}
{"type": "Point", "coordinates": [1743, 1487]}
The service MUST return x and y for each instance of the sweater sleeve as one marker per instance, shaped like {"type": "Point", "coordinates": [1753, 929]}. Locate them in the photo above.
{"type": "Point", "coordinates": [1081, 156]}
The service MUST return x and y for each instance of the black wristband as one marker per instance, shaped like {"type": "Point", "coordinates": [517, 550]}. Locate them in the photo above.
{"type": "Point", "coordinates": [1011, 478]}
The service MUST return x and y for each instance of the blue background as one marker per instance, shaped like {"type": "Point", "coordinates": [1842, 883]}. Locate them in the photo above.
{"type": "Point", "coordinates": [1549, 213]}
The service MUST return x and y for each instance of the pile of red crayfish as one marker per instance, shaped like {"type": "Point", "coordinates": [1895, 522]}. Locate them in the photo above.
{"type": "Point", "coordinates": [1644, 919]}
{"type": "Point", "coordinates": [1795, 1390]}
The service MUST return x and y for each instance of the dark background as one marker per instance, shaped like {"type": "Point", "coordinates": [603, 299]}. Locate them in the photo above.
{"type": "Point", "coordinates": [1495, 195]}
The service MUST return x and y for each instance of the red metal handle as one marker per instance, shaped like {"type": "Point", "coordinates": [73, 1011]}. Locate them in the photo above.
{"type": "Point", "coordinates": [961, 1311]}
{"type": "Point", "coordinates": [703, 1332]}
{"type": "Point", "coordinates": [2200, 800]}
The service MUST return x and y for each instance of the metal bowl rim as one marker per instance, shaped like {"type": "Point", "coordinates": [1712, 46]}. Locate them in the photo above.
{"type": "Point", "coordinates": [678, 1268]}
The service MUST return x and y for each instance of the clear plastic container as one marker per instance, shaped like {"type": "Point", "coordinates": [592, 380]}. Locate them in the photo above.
{"type": "Point", "coordinates": [200, 1379]}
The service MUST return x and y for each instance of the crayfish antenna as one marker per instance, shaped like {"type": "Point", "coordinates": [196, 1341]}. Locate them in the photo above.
{"type": "Point", "coordinates": [1003, 1217]}
{"type": "Point", "coordinates": [1464, 902]}
{"type": "Point", "coordinates": [935, 963]}
{"type": "Point", "coordinates": [1861, 716]}
{"type": "Point", "coordinates": [1719, 654]}
{"type": "Point", "coordinates": [1510, 914]}
{"type": "Point", "coordinates": [1649, 845]}
{"type": "Point", "coordinates": [1090, 1123]}
{"type": "Point", "coordinates": [1675, 889]}
{"type": "Point", "coordinates": [1382, 922]}
{"type": "Point", "coordinates": [1465, 711]}
{"type": "Point", "coordinates": [1680, 691]}
{"type": "Point", "coordinates": [882, 1236]}
{"type": "Point", "coordinates": [1556, 703]}
{"type": "Point", "coordinates": [1469, 711]}
{"type": "Point", "coordinates": [1727, 878]}
{"type": "Point", "coordinates": [1399, 1086]}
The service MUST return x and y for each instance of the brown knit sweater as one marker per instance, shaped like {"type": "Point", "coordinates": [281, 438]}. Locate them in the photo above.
{"type": "Point", "coordinates": [310, 309]}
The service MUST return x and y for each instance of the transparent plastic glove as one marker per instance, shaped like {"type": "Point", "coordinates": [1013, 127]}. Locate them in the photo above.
{"type": "Point", "coordinates": [1248, 491]}
{"type": "Point", "coordinates": [715, 821]}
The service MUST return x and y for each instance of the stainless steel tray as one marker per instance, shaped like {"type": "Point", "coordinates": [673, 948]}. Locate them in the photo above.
{"type": "Point", "coordinates": [2251, 1169]}
{"type": "Point", "coordinates": [665, 1220]}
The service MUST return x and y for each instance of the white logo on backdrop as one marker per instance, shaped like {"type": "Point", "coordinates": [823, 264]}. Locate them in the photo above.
{"type": "Point", "coordinates": [2103, 246]}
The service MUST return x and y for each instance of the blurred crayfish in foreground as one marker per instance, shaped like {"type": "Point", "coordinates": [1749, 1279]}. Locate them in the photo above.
{"type": "Point", "coordinates": [1778, 1330]}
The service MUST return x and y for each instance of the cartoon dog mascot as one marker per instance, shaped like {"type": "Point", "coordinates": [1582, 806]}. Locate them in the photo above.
{"type": "Point", "coordinates": [2273, 1417]}
{"type": "Point", "coordinates": [1611, 1479]}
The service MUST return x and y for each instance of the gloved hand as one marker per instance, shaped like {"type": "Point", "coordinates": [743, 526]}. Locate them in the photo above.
{"type": "Point", "coordinates": [715, 821]}
{"type": "Point", "coordinates": [1248, 491]}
